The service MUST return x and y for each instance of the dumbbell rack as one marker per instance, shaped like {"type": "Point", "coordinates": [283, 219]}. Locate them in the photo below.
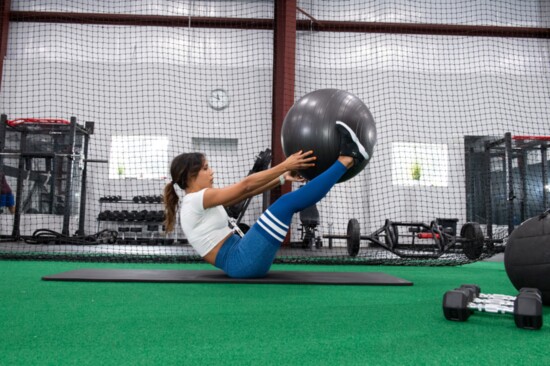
{"type": "Point", "coordinates": [131, 231]}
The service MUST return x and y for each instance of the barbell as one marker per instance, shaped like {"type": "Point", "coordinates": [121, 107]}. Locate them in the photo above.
{"type": "Point", "coordinates": [471, 237]}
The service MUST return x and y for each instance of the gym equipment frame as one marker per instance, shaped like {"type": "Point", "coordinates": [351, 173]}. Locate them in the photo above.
{"type": "Point", "coordinates": [69, 145]}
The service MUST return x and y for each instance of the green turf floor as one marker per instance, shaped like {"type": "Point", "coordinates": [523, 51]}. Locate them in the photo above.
{"type": "Point", "coordinates": [87, 323]}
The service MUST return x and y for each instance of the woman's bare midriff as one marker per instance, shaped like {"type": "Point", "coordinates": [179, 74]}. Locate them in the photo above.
{"type": "Point", "coordinates": [211, 256]}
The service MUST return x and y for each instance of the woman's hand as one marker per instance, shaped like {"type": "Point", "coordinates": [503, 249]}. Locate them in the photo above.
{"type": "Point", "coordinates": [293, 176]}
{"type": "Point", "coordinates": [300, 160]}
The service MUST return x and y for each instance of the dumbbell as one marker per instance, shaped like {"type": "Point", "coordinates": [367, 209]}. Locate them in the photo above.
{"type": "Point", "coordinates": [124, 215]}
{"type": "Point", "coordinates": [151, 216]}
{"type": "Point", "coordinates": [108, 215]}
{"type": "Point", "coordinates": [132, 215]}
{"type": "Point", "coordinates": [110, 199]}
{"type": "Point", "coordinates": [140, 199]}
{"type": "Point", "coordinates": [460, 303]}
{"type": "Point", "coordinates": [114, 215]}
{"type": "Point", "coordinates": [141, 215]}
{"type": "Point", "coordinates": [160, 215]}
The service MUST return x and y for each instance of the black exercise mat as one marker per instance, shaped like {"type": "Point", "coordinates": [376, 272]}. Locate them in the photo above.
{"type": "Point", "coordinates": [214, 276]}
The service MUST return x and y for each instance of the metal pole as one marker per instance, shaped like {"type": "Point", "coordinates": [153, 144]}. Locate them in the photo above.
{"type": "Point", "coordinates": [69, 181]}
{"type": "Point", "coordinates": [488, 193]}
{"type": "Point", "coordinates": [16, 233]}
{"type": "Point", "coordinates": [82, 213]}
{"type": "Point", "coordinates": [510, 180]}
{"type": "Point", "coordinates": [522, 167]}
{"type": "Point", "coordinates": [543, 162]}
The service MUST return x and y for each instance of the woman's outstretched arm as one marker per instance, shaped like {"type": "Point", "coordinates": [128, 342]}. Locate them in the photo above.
{"type": "Point", "coordinates": [288, 177]}
{"type": "Point", "coordinates": [257, 182]}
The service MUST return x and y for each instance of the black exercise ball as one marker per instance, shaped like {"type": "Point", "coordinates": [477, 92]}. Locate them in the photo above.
{"type": "Point", "coordinates": [311, 125]}
{"type": "Point", "coordinates": [527, 256]}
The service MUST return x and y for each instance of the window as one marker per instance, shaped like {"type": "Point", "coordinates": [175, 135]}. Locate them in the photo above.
{"type": "Point", "coordinates": [221, 154]}
{"type": "Point", "coordinates": [138, 157]}
{"type": "Point", "coordinates": [419, 164]}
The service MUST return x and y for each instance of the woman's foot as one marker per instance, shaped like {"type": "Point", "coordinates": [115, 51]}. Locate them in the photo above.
{"type": "Point", "coordinates": [350, 144]}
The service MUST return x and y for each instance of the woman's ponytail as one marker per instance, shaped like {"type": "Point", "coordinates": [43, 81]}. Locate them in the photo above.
{"type": "Point", "coordinates": [171, 201]}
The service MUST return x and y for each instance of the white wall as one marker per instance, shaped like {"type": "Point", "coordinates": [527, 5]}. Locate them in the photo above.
{"type": "Point", "coordinates": [427, 89]}
{"type": "Point", "coordinates": [524, 13]}
{"type": "Point", "coordinates": [144, 81]}
{"type": "Point", "coordinates": [151, 80]}
{"type": "Point", "coordinates": [233, 8]}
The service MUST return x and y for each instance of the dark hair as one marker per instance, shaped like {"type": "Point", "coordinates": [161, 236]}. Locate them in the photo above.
{"type": "Point", "coordinates": [183, 167]}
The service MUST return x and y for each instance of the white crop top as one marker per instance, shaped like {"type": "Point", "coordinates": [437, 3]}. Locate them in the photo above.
{"type": "Point", "coordinates": [203, 228]}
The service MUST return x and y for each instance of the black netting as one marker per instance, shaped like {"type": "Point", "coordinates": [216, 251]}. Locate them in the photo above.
{"type": "Point", "coordinates": [458, 90]}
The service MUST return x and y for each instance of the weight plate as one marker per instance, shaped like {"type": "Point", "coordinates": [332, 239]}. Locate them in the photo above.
{"type": "Point", "coordinates": [392, 235]}
{"type": "Point", "coordinates": [353, 237]}
{"type": "Point", "coordinates": [439, 238]}
{"type": "Point", "coordinates": [472, 240]}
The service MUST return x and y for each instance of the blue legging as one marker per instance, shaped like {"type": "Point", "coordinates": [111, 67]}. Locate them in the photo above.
{"type": "Point", "coordinates": [7, 200]}
{"type": "Point", "coordinates": [252, 255]}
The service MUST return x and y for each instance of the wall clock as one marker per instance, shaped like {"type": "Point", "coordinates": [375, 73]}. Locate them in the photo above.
{"type": "Point", "coordinates": [218, 99]}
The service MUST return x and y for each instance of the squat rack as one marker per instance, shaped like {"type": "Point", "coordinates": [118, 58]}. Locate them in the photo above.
{"type": "Point", "coordinates": [70, 154]}
{"type": "Point", "coordinates": [509, 148]}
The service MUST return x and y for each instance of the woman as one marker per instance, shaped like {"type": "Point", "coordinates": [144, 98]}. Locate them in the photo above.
{"type": "Point", "coordinates": [205, 222]}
